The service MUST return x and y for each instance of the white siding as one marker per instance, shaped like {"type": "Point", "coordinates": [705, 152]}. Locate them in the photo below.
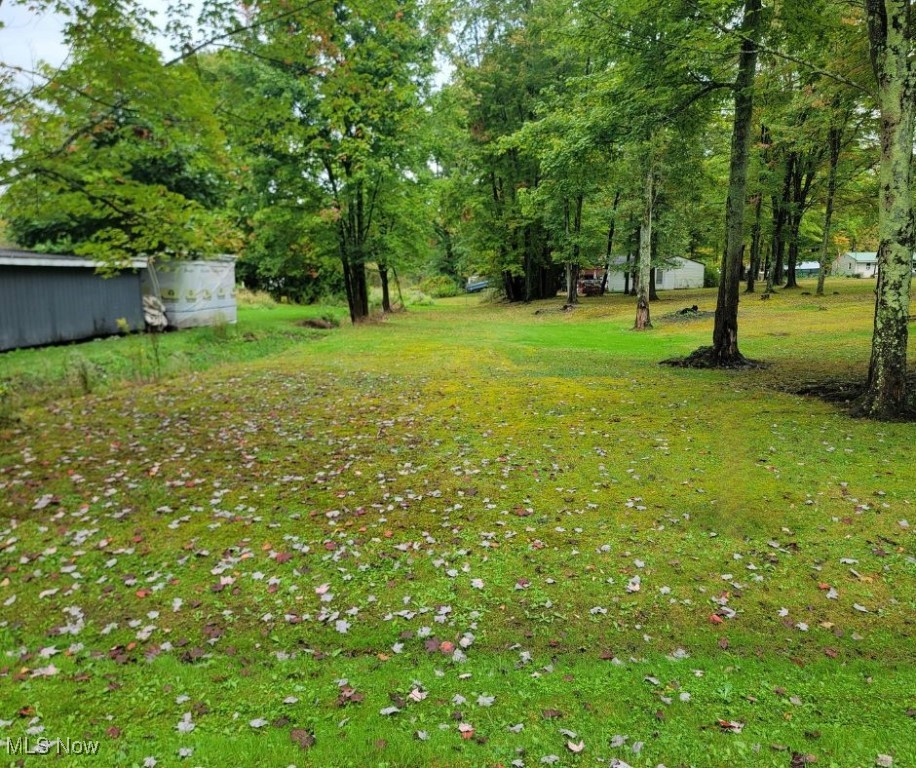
{"type": "Point", "coordinates": [683, 273]}
{"type": "Point", "coordinates": [615, 282]}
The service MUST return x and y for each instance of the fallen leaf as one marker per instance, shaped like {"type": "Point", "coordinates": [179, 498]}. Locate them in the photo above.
{"type": "Point", "coordinates": [302, 737]}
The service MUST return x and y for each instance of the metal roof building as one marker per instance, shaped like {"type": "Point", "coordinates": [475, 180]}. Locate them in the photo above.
{"type": "Point", "coordinates": [50, 298]}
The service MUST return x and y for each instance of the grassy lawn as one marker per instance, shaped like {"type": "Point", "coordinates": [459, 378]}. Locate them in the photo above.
{"type": "Point", "coordinates": [31, 376]}
{"type": "Point", "coordinates": [471, 535]}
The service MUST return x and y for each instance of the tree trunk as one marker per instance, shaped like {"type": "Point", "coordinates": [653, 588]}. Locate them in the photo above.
{"type": "Point", "coordinates": [802, 179]}
{"type": "Point", "coordinates": [834, 140]}
{"type": "Point", "coordinates": [756, 239]}
{"type": "Point", "coordinates": [356, 287]}
{"type": "Point", "coordinates": [573, 230]}
{"type": "Point", "coordinates": [724, 351]}
{"type": "Point", "coordinates": [891, 38]}
{"type": "Point", "coordinates": [572, 283]}
{"type": "Point", "coordinates": [626, 275]}
{"type": "Point", "coordinates": [386, 299]}
{"type": "Point", "coordinates": [610, 243]}
{"type": "Point", "coordinates": [794, 225]}
{"type": "Point", "coordinates": [783, 204]}
{"type": "Point", "coordinates": [653, 288]}
{"type": "Point", "coordinates": [643, 318]}
{"type": "Point", "coordinates": [397, 284]}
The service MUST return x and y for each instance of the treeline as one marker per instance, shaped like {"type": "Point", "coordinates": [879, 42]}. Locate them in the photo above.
{"type": "Point", "coordinates": [522, 140]}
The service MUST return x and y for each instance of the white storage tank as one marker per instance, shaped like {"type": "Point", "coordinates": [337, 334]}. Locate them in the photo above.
{"type": "Point", "coordinates": [195, 293]}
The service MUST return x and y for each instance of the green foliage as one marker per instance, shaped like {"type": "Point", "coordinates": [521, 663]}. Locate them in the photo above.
{"type": "Point", "coordinates": [710, 276]}
{"type": "Point", "coordinates": [116, 156]}
{"type": "Point", "coordinates": [440, 286]}
{"type": "Point", "coordinates": [325, 109]}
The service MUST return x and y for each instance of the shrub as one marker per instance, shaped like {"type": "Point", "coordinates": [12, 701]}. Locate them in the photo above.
{"type": "Point", "coordinates": [416, 298]}
{"type": "Point", "coordinates": [439, 286]}
{"type": "Point", "coordinates": [6, 402]}
{"type": "Point", "coordinates": [245, 297]}
{"type": "Point", "coordinates": [710, 277]}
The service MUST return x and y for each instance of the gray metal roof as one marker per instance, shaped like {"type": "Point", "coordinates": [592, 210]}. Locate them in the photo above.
{"type": "Point", "coordinates": [14, 257]}
{"type": "Point", "coordinates": [865, 256]}
{"type": "Point", "coordinates": [861, 256]}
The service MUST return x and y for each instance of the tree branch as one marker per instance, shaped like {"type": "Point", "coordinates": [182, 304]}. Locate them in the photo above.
{"type": "Point", "coordinates": [238, 30]}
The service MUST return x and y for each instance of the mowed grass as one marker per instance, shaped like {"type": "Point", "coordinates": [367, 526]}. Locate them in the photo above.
{"type": "Point", "coordinates": [471, 535]}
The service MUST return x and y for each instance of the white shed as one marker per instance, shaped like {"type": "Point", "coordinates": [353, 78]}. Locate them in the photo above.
{"type": "Point", "coordinates": [199, 292]}
{"type": "Point", "coordinates": [683, 273]}
{"type": "Point", "coordinates": [680, 273]}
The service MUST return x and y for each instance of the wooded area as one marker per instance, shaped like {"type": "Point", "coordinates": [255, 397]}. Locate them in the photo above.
{"type": "Point", "coordinates": [521, 140]}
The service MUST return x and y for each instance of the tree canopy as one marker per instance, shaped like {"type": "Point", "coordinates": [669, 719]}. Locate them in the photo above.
{"type": "Point", "coordinates": [331, 144]}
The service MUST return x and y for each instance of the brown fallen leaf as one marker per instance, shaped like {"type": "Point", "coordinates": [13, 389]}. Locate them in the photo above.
{"type": "Point", "coordinates": [731, 726]}
{"type": "Point", "coordinates": [302, 737]}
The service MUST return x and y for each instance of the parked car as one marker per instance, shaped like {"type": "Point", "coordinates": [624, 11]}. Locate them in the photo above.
{"type": "Point", "coordinates": [589, 287]}
{"type": "Point", "coordinates": [476, 286]}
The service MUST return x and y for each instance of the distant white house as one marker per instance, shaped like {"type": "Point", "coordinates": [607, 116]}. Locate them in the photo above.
{"type": "Point", "coordinates": [860, 264]}
{"type": "Point", "coordinates": [856, 264]}
{"type": "Point", "coordinates": [680, 273]}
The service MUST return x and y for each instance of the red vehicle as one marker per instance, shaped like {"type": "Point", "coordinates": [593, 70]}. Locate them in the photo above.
{"type": "Point", "coordinates": [589, 287]}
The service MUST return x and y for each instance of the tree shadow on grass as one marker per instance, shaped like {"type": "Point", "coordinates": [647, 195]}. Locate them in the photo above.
{"type": "Point", "coordinates": [845, 392]}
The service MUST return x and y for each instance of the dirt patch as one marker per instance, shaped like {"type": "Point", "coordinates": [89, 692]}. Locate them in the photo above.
{"type": "Point", "coordinates": [706, 357]}
{"type": "Point", "coordinates": [843, 392]}
{"type": "Point", "coordinates": [837, 391]}
{"type": "Point", "coordinates": [687, 316]}
{"type": "Point", "coordinates": [317, 322]}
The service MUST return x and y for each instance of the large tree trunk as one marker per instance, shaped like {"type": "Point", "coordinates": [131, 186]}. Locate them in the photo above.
{"type": "Point", "coordinates": [834, 141]}
{"type": "Point", "coordinates": [891, 37]}
{"type": "Point", "coordinates": [724, 351]}
{"type": "Point", "coordinates": [643, 319]}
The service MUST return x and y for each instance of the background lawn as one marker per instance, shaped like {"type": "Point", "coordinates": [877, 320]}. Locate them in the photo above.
{"type": "Point", "coordinates": [469, 535]}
